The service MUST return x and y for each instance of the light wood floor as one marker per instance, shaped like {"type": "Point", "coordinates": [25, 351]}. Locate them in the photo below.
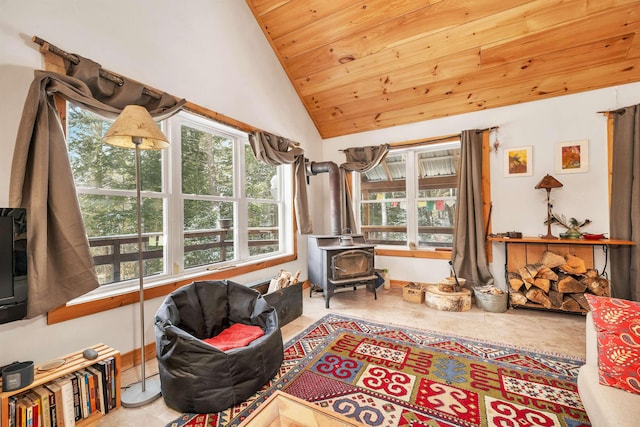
{"type": "Point", "coordinates": [538, 330]}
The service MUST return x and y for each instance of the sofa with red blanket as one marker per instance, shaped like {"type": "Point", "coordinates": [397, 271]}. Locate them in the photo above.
{"type": "Point", "coordinates": [608, 392]}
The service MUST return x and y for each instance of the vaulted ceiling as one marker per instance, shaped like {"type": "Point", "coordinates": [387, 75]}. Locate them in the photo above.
{"type": "Point", "coordinates": [361, 65]}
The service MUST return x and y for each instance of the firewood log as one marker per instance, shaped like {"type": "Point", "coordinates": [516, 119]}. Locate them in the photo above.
{"type": "Point", "coordinates": [556, 298]}
{"type": "Point", "coordinates": [567, 285]}
{"type": "Point", "coordinates": [536, 295]}
{"type": "Point", "coordinates": [574, 265]}
{"type": "Point", "coordinates": [533, 269]}
{"type": "Point", "coordinates": [517, 298]}
{"type": "Point", "coordinates": [515, 281]}
{"type": "Point", "coordinates": [569, 304]}
{"type": "Point", "coordinates": [592, 272]}
{"type": "Point", "coordinates": [597, 285]}
{"type": "Point", "coordinates": [544, 284]}
{"type": "Point", "coordinates": [581, 300]}
{"type": "Point", "coordinates": [547, 273]}
{"type": "Point", "coordinates": [526, 275]}
{"type": "Point", "coordinates": [552, 259]}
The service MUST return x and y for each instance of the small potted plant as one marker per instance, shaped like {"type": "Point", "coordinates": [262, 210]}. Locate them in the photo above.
{"type": "Point", "coordinates": [572, 225]}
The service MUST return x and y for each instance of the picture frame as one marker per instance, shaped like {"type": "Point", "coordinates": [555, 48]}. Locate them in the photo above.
{"type": "Point", "coordinates": [518, 161]}
{"type": "Point", "coordinates": [572, 156]}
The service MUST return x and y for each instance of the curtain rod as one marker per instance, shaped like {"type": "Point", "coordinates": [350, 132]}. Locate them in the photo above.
{"type": "Point", "coordinates": [431, 140]}
{"type": "Point", "coordinates": [108, 75]}
{"type": "Point", "coordinates": [618, 111]}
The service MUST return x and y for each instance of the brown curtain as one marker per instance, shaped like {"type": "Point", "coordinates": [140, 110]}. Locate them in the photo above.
{"type": "Point", "coordinates": [625, 197]}
{"type": "Point", "coordinates": [469, 254]}
{"type": "Point", "coordinates": [359, 159]}
{"type": "Point", "coordinates": [60, 266]}
{"type": "Point", "coordinates": [275, 150]}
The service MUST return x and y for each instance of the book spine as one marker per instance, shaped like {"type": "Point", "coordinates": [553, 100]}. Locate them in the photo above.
{"type": "Point", "coordinates": [77, 381]}
{"type": "Point", "coordinates": [12, 411]}
{"type": "Point", "coordinates": [68, 410]}
{"type": "Point", "coordinates": [45, 414]}
{"type": "Point", "coordinates": [103, 371]}
{"type": "Point", "coordinates": [54, 388]}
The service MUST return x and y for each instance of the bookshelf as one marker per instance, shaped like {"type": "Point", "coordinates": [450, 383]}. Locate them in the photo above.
{"type": "Point", "coordinates": [73, 362]}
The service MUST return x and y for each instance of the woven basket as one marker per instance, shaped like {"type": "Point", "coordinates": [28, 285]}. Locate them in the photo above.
{"type": "Point", "coordinates": [413, 292]}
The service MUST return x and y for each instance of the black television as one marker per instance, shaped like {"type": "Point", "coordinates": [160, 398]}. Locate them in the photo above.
{"type": "Point", "coordinates": [13, 264]}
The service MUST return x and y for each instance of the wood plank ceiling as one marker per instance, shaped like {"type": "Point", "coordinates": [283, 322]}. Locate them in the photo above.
{"type": "Point", "coordinates": [360, 65]}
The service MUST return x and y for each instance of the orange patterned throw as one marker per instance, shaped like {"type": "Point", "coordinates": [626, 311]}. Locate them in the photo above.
{"type": "Point", "coordinates": [618, 324]}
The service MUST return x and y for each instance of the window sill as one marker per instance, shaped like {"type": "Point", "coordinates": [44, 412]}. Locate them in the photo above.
{"type": "Point", "coordinates": [415, 253]}
{"type": "Point", "coordinates": [86, 308]}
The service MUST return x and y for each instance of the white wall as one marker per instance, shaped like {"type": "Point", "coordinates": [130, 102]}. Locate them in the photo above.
{"type": "Point", "coordinates": [213, 54]}
{"type": "Point", "coordinates": [517, 206]}
{"type": "Point", "coordinates": [210, 52]}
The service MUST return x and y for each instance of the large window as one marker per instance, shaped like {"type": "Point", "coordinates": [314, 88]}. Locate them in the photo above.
{"type": "Point", "coordinates": [206, 201]}
{"type": "Point", "coordinates": [411, 196]}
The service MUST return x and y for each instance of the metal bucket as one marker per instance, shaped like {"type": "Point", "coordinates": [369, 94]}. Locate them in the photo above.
{"type": "Point", "coordinates": [495, 303]}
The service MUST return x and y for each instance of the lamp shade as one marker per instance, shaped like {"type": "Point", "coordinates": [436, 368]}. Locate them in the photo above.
{"type": "Point", "coordinates": [548, 182]}
{"type": "Point", "coordinates": [135, 126]}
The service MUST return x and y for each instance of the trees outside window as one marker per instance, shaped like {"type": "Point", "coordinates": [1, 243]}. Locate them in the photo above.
{"type": "Point", "coordinates": [206, 200]}
{"type": "Point", "coordinates": [410, 196]}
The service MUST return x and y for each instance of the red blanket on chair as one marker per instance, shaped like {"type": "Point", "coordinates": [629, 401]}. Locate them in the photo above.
{"type": "Point", "coordinates": [237, 335]}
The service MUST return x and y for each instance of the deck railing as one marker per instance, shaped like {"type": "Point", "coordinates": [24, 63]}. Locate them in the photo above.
{"type": "Point", "coordinates": [112, 251]}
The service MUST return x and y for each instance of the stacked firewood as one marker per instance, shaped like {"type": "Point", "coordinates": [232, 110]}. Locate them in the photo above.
{"type": "Point", "coordinates": [556, 282]}
{"type": "Point", "coordinates": [283, 279]}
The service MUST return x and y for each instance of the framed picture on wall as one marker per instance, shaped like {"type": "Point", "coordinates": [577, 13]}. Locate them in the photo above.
{"type": "Point", "coordinates": [518, 161]}
{"type": "Point", "coordinates": [572, 156]}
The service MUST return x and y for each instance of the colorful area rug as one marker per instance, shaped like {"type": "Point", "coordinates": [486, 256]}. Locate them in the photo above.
{"type": "Point", "coordinates": [385, 375]}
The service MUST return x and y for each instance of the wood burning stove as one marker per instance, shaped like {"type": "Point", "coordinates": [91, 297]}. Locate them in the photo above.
{"type": "Point", "coordinates": [333, 265]}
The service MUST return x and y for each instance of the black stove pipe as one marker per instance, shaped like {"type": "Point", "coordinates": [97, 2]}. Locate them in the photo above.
{"type": "Point", "coordinates": [314, 168]}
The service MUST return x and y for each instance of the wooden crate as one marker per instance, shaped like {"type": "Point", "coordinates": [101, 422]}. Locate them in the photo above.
{"type": "Point", "coordinates": [413, 292]}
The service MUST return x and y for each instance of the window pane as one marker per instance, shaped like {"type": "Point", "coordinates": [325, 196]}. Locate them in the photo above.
{"type": "Point", "coordinates": [111, 224]}
{"type": "Point", "coordinates": [385, 222]}
{"type": "Point", "coordinates": [261, 180]}
{"type": "Point", "coordinates": [437, 190]}
{"type": "Point", "coordinates": [263, 228]}
{"type": "Point", "coordinates": [205, 239]}
{"type": "Point", "coordinates": [207, 163]}
{"type": "Point", "coordinates": [387, 180]}
{"type": "Point", "coordinates": [96, 164]}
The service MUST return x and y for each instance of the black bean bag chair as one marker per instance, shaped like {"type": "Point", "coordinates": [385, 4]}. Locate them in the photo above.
{"type": "Point", "coordinates": [197, 377]}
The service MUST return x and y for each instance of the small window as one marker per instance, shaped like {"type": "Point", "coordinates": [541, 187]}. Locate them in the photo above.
{"type": "Point", "coordinates": [396, 210]}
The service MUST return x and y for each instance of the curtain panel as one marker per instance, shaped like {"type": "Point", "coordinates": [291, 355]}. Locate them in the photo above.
{"type": "Point", "coordinates": [60, 265]}
{"type": "Point", "coordinates": [625, 197]}
{"type": "Point", "coordinates": [358, 159]}
{"type": "Point", "coordinates": [469, 256]}
{"type": "Point", "coordinates": [275, 150]}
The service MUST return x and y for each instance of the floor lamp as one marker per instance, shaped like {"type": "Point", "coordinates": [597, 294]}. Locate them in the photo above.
{"type": "Point", "coordinates": [135, 128]}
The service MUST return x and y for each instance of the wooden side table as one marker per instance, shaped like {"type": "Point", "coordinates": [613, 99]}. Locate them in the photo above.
{"type": "Point", "coordinates": [283, 410]}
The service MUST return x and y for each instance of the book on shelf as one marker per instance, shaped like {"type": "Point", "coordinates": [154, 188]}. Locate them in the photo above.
{"type": "Point", "coordinates": [45, 410]}
{"type": "Point", "coordinates": [98, 387]}
{"type": "Point", "coordinates": [56, 406]}
{"type": "Point", "coordinates": [35, 409]}
{"type": "Point", "coordinates": [21, 411]}
{"type": "Point", "coordinates": [68, 411]}
{"type": "Point", "coordinates": [12, 410]}
{"type": "Point", "coordinates": [82, 387]}
{"type": "Point", "coordinates": [103, 368]}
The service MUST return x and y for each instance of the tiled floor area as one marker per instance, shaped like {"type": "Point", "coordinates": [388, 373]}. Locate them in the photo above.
{"type": "Point", "coordinates": [543, 331]}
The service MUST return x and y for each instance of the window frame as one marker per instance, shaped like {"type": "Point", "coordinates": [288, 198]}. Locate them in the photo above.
{"type": "Point", "coordinates": [160, 286]}
{"type": "Point", "coordinates": [444, 253]}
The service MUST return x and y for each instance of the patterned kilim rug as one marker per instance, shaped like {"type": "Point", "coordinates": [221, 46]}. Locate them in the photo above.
{"type": "Point", "coordinates": [385, 375]}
